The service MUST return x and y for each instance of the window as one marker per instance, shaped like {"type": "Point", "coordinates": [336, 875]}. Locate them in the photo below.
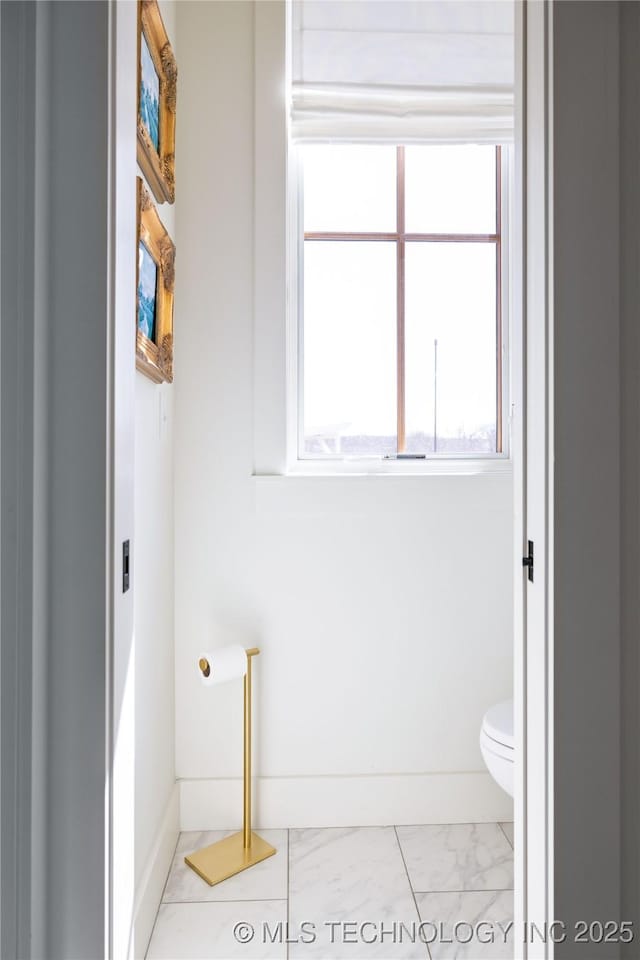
{"type": "Point", "coordinates": [400, 310]}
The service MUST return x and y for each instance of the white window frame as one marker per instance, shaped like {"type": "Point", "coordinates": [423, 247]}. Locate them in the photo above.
{"type": "Point", "coordinates": [432, 464]}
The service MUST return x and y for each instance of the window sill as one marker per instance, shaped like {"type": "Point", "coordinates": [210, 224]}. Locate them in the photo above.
{"type": "Point", "coordinates": [436, 490]}
{"type": "Point", "coordinates": [392, 469]}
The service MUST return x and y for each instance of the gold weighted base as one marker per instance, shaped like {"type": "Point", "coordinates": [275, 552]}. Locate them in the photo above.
{"type": "Point", "coordinates": [225, 858]}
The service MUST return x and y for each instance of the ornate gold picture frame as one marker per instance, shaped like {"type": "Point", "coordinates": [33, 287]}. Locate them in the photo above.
{"type": "Point", "coordinates": [154, 297]}
{"type": "Point", "coordinates": [157, 75]}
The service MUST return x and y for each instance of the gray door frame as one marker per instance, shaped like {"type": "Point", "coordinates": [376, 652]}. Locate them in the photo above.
{"type": "Point", "coordinates": [55, 496]}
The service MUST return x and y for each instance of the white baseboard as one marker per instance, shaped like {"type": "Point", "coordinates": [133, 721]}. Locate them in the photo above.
{"type": "Point", "coordinates": [345, 801]}
{"type": "Point", "coordinates": [149, 891]}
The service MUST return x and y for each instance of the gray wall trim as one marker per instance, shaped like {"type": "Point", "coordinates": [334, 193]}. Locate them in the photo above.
{"type": "Point", "coordinates": [79, 448]}
{"type": "Point", "coordinates": [41, 501]}
{"type": "Point", "coordinates": [17, 25]}
{"type": "Point", "coordinates": [586, 421]}
{"type": "Point", "coordinates": [630, 457]}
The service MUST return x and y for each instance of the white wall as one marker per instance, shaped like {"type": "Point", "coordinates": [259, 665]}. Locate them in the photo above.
{"type": "Point", "coordinates": [153, 584]}
{"type": "Point", "coordinates": [382, 606]}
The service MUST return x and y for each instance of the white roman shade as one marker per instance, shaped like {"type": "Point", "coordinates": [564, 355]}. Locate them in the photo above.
{"type": "Point", "coordinates": [402, 71]}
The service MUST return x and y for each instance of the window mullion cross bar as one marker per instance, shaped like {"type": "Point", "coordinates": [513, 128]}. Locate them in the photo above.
{"type": "Point", "coordinates": [400, 300]}
{"type": "Point", "coordinates": [499, 334]}
{"type": "Point", "coordinates": [409, 237]}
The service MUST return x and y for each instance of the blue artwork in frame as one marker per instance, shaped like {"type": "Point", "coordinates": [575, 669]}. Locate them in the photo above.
{"type": "Point", "coordinates": [155, 278]}
{"type": "Point", "coordinates": [149, 93]}
{"type": "Point", "coordinates": [156, 103]}
{"type": "Point", "coordinates": [147, 292]}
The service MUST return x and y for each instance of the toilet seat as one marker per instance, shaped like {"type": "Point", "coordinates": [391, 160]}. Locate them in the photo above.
{"type": "Point", "coordinates": [497, 744]}
{"type": "Point", "coordinates": [496, 748]}
{"type": "Point", "coordinates": [497, 725]}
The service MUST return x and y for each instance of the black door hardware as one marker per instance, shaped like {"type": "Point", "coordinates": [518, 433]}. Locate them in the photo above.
{"type": "Point", "coordinates": [126, 569]}
{"type": "Point", "coordinates": [528, 561]}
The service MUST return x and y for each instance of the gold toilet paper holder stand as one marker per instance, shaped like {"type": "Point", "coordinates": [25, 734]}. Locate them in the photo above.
{"type": "Point", "coordinates": [241, 850]}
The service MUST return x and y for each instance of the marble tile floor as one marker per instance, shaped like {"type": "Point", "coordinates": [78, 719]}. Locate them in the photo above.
{"type": "Point", "coordinates": [435, 892]}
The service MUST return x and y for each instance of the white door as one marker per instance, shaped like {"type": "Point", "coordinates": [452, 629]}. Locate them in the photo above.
{"type": "Point", "coordinates": [533, 795]}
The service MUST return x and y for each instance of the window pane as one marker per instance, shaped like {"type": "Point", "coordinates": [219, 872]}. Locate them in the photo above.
{"type": "Point", "coordinates": [349, 189]}
{"type": "Point", "coordinates": [450, 189]}
{"type": "Point", "coordinates": [349, 348]}
{"type": "Point", "coordinates": [450, 337]}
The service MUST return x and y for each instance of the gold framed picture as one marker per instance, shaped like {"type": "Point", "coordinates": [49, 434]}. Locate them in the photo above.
{"type": "Point", "coordinates": [157, 76]}
{"type": "Point", "coordinates": [154, 298]}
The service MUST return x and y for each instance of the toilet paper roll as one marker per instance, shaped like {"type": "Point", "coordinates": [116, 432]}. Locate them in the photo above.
{"type": "Point", "coordinates": [225, 663]}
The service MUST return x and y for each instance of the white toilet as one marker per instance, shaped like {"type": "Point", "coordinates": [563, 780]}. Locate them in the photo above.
{"type": "Point", "coordinates": [496, 743]}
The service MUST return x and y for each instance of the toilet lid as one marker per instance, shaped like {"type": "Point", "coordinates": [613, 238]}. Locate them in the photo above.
{"type": "Point", "coordinates": [498, 723]}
